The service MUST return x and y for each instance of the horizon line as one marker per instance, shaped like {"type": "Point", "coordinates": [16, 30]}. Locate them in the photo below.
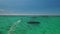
{"type": "Point", "coordinates": [30, 14]}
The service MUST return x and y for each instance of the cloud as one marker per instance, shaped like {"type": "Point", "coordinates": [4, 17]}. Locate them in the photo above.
{"type": "Point", "coordinates": [4, 11]}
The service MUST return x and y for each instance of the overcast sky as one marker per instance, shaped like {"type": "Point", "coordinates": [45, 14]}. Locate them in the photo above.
{"type": "Point", "coordinates": [29, 6]}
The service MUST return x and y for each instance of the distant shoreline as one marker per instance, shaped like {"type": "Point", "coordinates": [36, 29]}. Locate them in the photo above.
{"type": "Point", "coordinates": [29, 15]}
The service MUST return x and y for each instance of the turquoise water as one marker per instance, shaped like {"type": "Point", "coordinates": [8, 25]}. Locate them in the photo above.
{"type": "Point", "coordinates": [19, 25]}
